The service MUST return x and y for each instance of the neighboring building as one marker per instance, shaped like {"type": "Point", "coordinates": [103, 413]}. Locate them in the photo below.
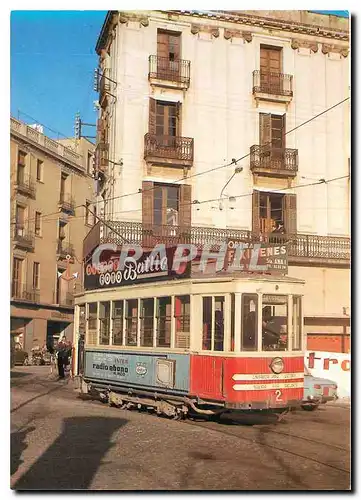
{"type": "Point", "coordinates": [49, 182]}
{"type": "Point", "coordinates": [183, 92]}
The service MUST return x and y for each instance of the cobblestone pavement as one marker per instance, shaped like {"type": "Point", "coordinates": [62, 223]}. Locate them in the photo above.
{"type": "Point", "coordinates": [59, 441]}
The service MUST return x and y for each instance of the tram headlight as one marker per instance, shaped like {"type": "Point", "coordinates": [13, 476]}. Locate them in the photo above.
{"type": "Point", "coordinates": [277, 365]}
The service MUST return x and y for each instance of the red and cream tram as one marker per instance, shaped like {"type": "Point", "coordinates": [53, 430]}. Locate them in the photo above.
{"type": "Point", "coordinates": [210, 343]}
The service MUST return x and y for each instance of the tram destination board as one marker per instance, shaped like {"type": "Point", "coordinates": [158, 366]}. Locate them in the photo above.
{"type": "Point", "coordinates": [244, 256]}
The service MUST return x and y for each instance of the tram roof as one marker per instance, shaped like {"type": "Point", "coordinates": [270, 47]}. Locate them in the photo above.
{"type": "Point", "coordinates": [241, 275]}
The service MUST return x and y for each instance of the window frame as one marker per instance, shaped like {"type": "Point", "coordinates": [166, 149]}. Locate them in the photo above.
{"type": "Point", "coordinates": [36, 275]}
{"type": "Point", "coordinates": [226, 338]}
{"type": "Point", "coordinates": [39, 170]}
{"type": "Point", "coordinates": [38, 227]}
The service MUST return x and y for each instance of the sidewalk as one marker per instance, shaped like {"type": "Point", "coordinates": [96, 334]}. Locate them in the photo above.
{"type": "Point", "coordinates": [340, 403]}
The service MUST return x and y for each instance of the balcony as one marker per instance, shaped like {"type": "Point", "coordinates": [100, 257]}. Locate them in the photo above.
{"type": "Point", "coordinates": [23, 238]}
{"type": "Point", "coordinates": [166, 73]}
{"type": "Point", "coordinates": [64, 249]}
{"type": "Point", "coordinates": [302, 248]}
{"type": "Point", "coordinates": [269, 161]}
{"type": "Point", "coordinates": [276, 87]}
{"type": "Point", "coordinates": [169, 150]}
{"type": "Point", "coordinates": [67, 203]}
{"type": "Point", "coordinates": [24, 293]}
{"type": "Point", "coordinates": [25, 185]}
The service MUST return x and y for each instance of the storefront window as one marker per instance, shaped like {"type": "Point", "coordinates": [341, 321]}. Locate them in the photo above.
{"type": "Point", "coordinates": [249, 319]}
{"type": "Point", "coordinates": [164, 321]}
{"type": "Point", "coordinates": [146, 322]}
{"type": "Point", "coordinates": [182, 315]}
{"type": "Point", "coordinates": [118, 307]}
{"type": "Point", "coordinates": [131, 322]}
{"type": "Point", "coordinates": [104, 323]}
{"type": "Point", "coordinates": [274, 322]}
{"type": "Point", "coordinates": [296, 324]}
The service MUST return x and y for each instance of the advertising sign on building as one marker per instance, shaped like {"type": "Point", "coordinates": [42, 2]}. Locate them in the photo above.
{"type": "Point", "coordinates": [332, 366]}
{"type": "Point", "coordinates": [272, 256]}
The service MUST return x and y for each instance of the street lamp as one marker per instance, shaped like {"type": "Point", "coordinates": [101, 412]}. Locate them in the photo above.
{"type": "Point", "coordinates": [231, 199]}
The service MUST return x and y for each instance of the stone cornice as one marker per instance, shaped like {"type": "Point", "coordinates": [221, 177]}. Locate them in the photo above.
{"type": "Point", "coordinates": [240, 18]}
{"type": "Point", "coordinates": [267, 23]}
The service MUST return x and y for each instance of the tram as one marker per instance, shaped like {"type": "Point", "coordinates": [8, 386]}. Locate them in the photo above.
{"type": "Point", "coordinates": [204, 343]}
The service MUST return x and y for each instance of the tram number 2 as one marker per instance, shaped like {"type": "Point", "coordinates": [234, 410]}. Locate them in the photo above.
{"type": "Point", "coordinates": [278, 394]}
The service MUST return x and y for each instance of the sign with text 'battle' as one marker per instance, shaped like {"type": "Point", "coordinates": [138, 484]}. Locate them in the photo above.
{"type": "Point", "coordinates": [108, 273]}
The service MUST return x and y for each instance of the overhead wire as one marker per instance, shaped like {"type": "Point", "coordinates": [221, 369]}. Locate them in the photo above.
{"type": "Point", "coordinates": [233, 162]}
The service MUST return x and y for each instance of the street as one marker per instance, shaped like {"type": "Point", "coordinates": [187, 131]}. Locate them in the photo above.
{"type": "Point", "coordinates": [62, 442]}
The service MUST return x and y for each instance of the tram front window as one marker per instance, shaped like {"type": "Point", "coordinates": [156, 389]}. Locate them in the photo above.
{"type": "Point", "coordinates": [274, 322]}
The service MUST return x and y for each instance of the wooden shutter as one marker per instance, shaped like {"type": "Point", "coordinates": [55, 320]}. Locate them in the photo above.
{"type": "Point", "coordinates": [163, 45]}
{"type": "Point", "coordinates": [290, 213]}
{"type": "Point", "coordinates": [147, 204]}
{"type": "Point", "coordinates": [255, 212]}
{"type": "Point", "coordinates": [185, 208]}
{"type": "Point", "coordinates": [265, 132]}
{"type": "Point", "coordinates": [283, 117]}
{"type": "Point", "coordinates": [152, 116]}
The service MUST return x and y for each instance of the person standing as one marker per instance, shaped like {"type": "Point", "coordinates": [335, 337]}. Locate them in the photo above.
{"type": "Point", "coordinates": [63, 348]}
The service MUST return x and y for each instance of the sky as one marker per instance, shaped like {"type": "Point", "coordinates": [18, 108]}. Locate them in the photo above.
{"type": "Point", "coordinates": [52, 67]}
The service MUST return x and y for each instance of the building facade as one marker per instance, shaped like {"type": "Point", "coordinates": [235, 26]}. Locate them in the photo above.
{"type": "Point", "coordinates": [232, 123]}
{"type": "Point", "coordinates": [51, 186]}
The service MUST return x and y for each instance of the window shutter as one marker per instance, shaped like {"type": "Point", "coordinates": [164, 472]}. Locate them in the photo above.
{"type": "Point", "coordinates": [152, 116]}
{"type": "Point", "coordinates": [147, 204]}
{"type": "Point", "coordinates": [163, 45]}
{"type": "Point", "coordinates": [185, 208]}
{"type": "Point", "coordinates": [283, 131]}
{"type": "Point", "coordinates": [255, 212]}
{"type": "Point", "coordinates": [265, 131]}
{"type": "Point", "coordinates": [290, 213]}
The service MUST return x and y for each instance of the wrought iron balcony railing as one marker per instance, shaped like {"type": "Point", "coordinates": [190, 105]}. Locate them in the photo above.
{"type": "Point", "coordinates": [23, 237]}
{"type": "Point", "coordinates": [300, 246]}
{"type": "Point", "coordinates": [267, 159]}
{"type": "Point", "coordinates": [177, 71]}
{"type": "Point", "coordinates": [67, 203]}
{"type": "Point", "coordinates": [26, 185]}
{"type": "Point", "coordinates": [64, 249]}
{"type": "Point", "coordinates": [168, 147]}
{"type": "Point", "coordinates": [277, 84]}
{"type": "Point", "coordinates": [23, 292]}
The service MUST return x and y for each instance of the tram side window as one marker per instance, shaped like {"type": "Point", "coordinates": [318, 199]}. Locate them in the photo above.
{"type": "Point", "coordinates": [233, 310]}
{"type": "Point", "coordinates": [249, 322]}
{"type": "Point", "coordinates": [146, 322]}
{"type": "Point", "coordinates": [296, 324]}
{"type": "Point", "coordinates": [92, 323]}
{"type": "Point", "coordinates": [207, 324]}
{"type": "Point", "coordinates": [164, 321]}
{"type": "Point", "coordinates": [213, 323]}
{"type": "Point", "coordinates": [274, 322]}
{"type": "Point", "coordinates": [118, 308]}
{"type": "Point", "coordinates": [104, 323]}
{"type": "Point", "coordinates": [82, 320]}
{"type": "Point", "coordinates": [182, 316]}
{"type": "Point", "coordinates": [131, 321]}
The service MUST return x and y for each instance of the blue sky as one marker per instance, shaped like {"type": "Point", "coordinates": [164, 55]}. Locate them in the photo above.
{"type": "Point", "coordinates": [52, 66]}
